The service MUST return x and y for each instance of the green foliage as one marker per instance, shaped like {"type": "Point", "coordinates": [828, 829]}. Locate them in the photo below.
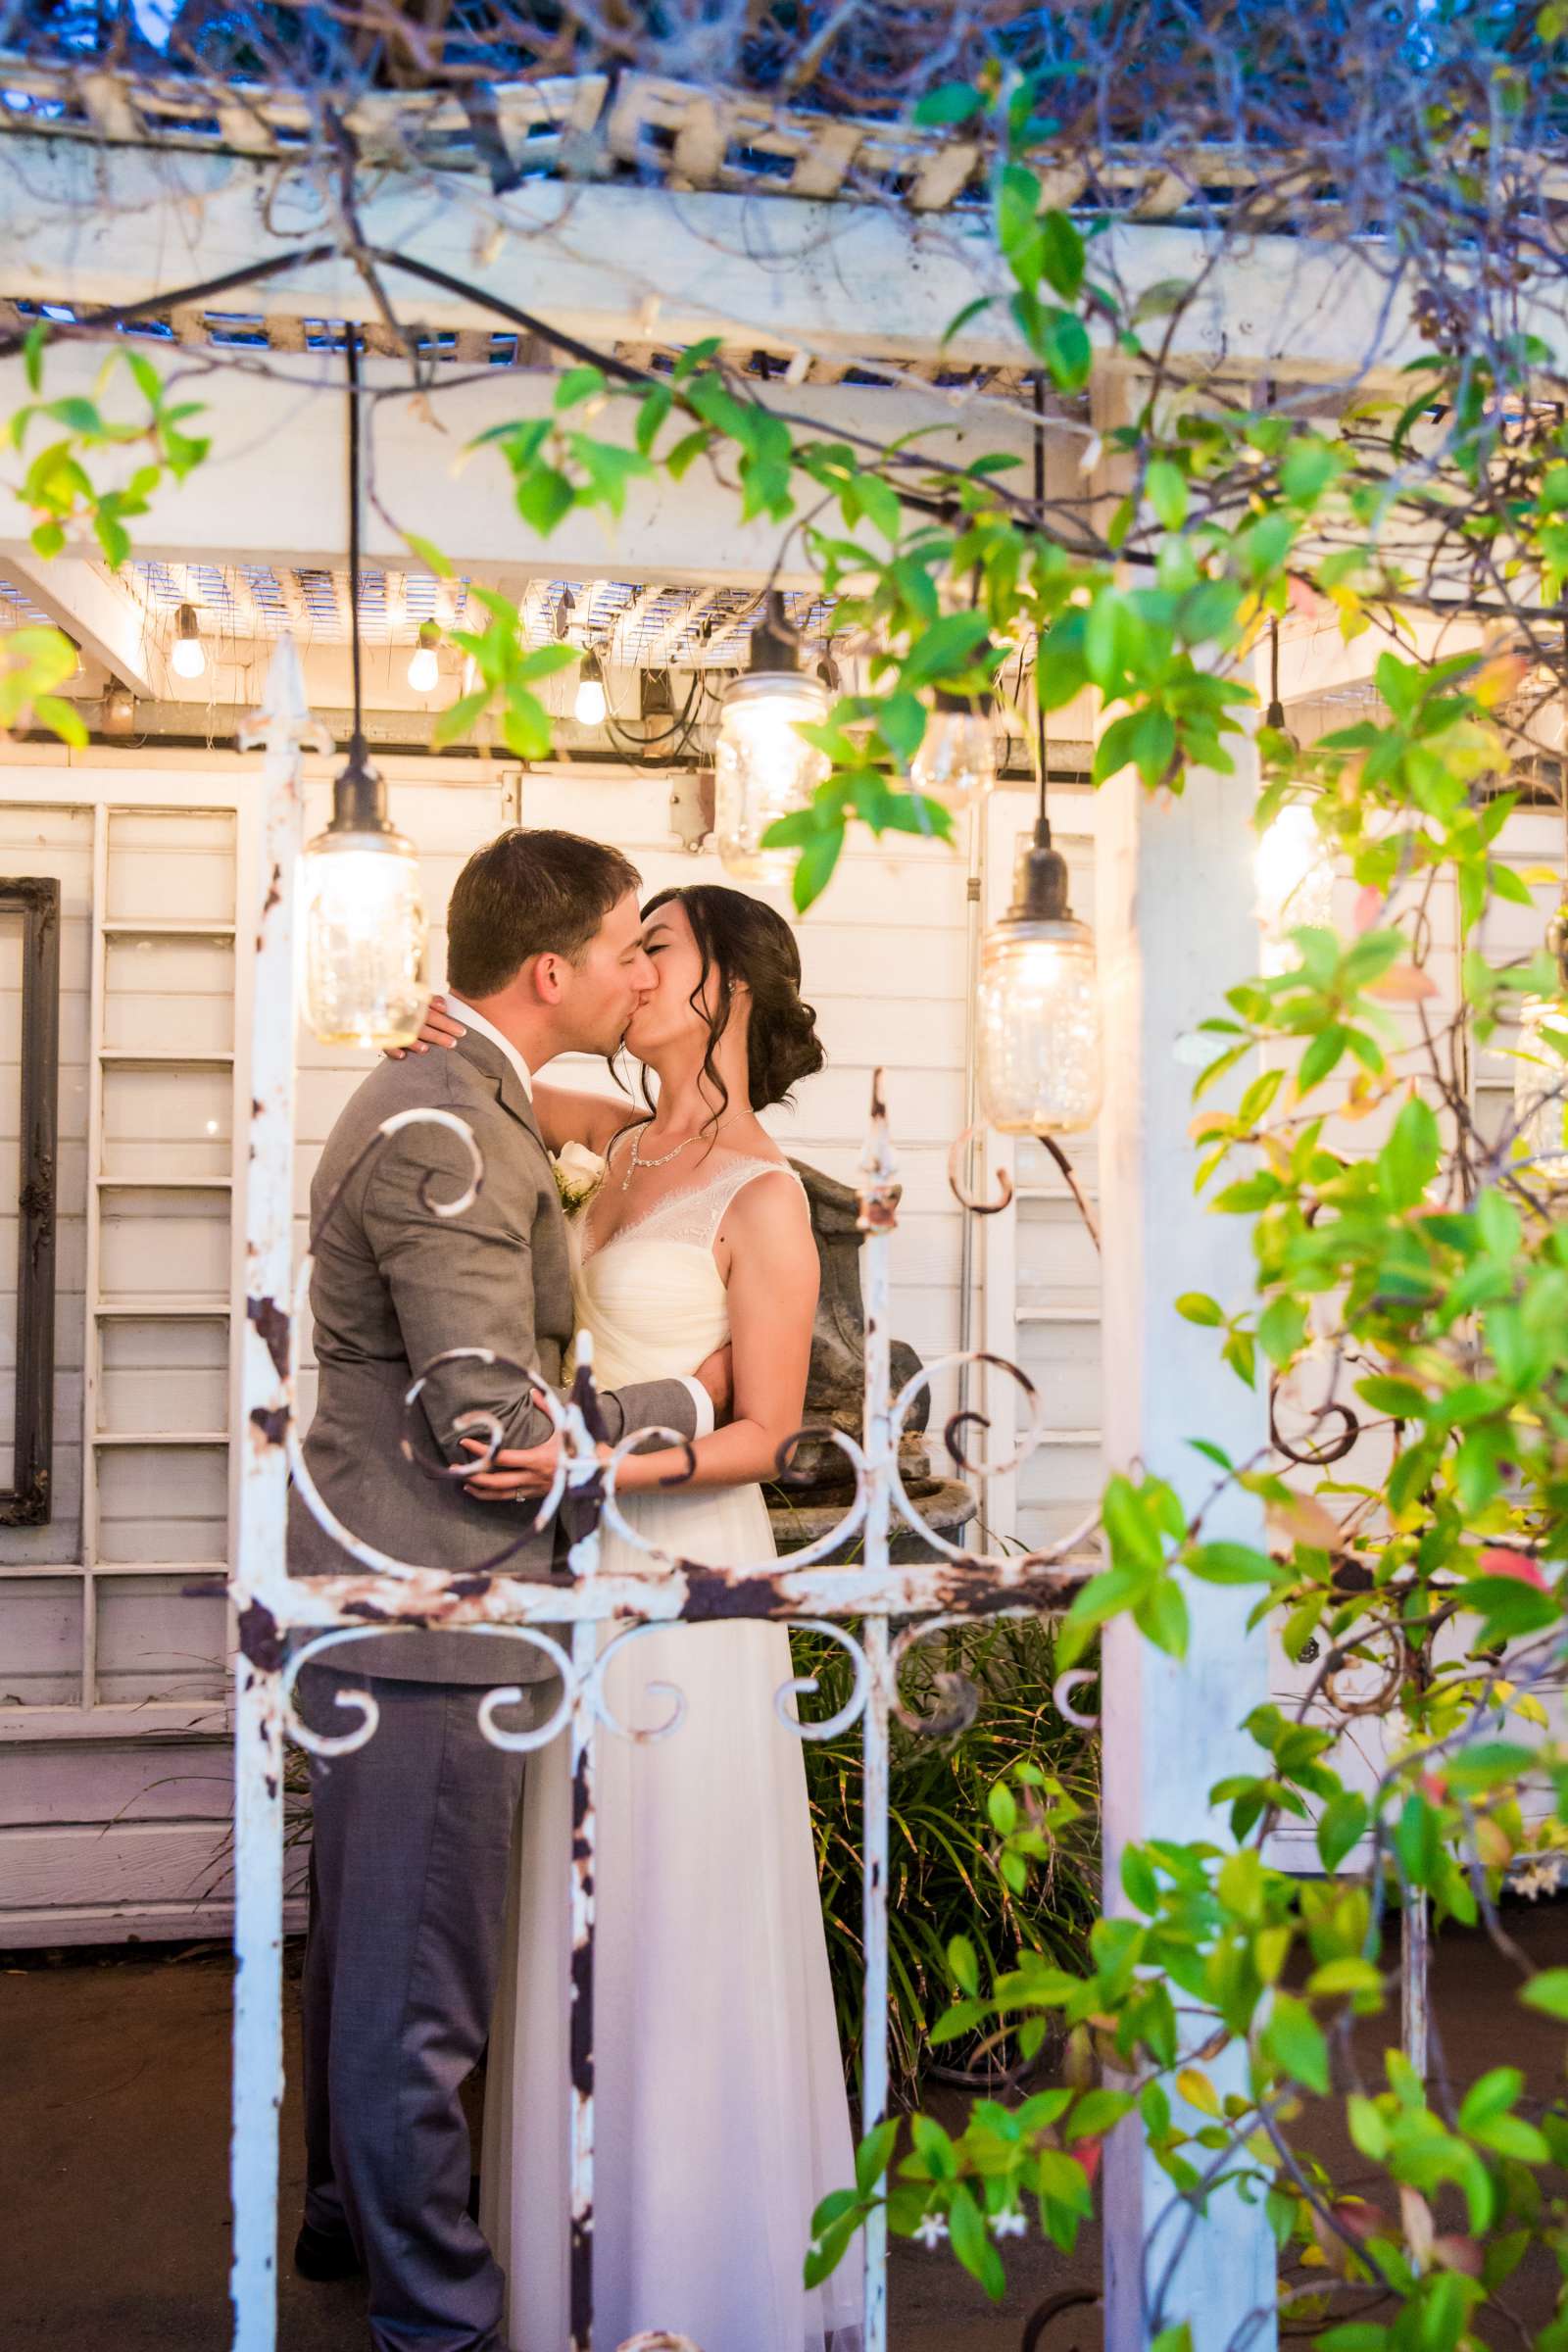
{"type": "Point", "coordinates": [946, 1883]}
{"type": "Point", "coordinates": [1415, 1260]}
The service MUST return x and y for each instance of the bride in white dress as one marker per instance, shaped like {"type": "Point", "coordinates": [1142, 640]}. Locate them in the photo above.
{"type": "Point", "coordinates": [721, 2113]}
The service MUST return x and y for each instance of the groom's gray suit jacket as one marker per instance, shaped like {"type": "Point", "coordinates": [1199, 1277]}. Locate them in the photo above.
{"type": "Point", "coordinates": [396, 1286]}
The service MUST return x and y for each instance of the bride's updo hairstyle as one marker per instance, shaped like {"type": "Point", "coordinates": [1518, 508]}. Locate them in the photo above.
{"type": "Point", "coordinates": [745, 944]}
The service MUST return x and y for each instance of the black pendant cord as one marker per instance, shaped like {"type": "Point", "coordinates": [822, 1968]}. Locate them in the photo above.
{"type": "Point", "coordinates": [358, 795]}
{"type": "Point", "coordinates": [1274, 716]}
{"type": "Point", "coordinates": [350, 351]}
{"type": "Point", "coordinates": [1042, 820]}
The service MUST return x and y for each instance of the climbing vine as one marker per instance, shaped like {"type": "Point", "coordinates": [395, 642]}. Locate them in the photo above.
{"type": "Point", "coordinates": [1408, 1281]}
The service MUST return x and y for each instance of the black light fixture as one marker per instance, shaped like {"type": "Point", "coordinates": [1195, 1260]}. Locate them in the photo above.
{"type": "Point", "coordinates": [363, 920]}
{"type": "Point", "coordinates": [1040, 1064]}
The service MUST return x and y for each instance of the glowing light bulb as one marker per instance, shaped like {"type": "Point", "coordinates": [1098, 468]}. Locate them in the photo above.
{"type": "Point", "coordinates": [589, 708]}
{"type": "Point", "coordinates": [424, 670]}
{"type": "Point", "coordinates": [1541, 1090]}
{"type": "Point", "coordinates": [1039, 1067]}
{"type": "Point", "coordinates": [189, 655]}
{"type": "Point", "coordinates": [1295, 876]}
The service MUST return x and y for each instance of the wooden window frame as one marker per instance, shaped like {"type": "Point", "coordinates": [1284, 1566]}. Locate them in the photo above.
{"type": "Point", "coordinates": [30, 1499]}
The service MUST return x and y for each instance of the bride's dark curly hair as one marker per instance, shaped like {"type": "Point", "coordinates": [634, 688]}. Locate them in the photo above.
{"type": "Point", "coordinates": [745, 943]}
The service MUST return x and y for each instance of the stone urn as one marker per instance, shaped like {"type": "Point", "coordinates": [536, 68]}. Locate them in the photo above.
{"type": "Point", "coordinates": [823, 1482]}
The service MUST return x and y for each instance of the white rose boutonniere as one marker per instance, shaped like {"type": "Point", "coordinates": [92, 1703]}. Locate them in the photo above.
{"type": "Point", "coordinates": [579, 1173]}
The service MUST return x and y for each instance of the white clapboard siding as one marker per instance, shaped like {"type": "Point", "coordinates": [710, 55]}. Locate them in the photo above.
{"type": "Point", "coordinates": [112, 1619]}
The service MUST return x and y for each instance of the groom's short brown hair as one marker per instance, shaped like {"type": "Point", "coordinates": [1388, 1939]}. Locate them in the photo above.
{"type": "Point", "coordinates": [529, 892]}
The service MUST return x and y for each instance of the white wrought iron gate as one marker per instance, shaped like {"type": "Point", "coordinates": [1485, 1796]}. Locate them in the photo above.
{"type": "Point", "coordinates": [282, 1623]}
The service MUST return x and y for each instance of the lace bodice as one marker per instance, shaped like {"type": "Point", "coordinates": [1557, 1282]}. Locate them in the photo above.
{"type": "Point", "coordinates": [652, 1295]}
{"type": "Point", "coordinates": [691, 1216]}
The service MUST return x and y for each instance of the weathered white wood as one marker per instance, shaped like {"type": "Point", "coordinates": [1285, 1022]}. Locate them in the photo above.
{"type": "Point", "coordinates": [628, 263]}
{"type": "Point", "coordinates": [106, 620]}
{"type": "Point", "coordinates": [1175, 928]}
{"type": "Point", "coordinates": [271, 492]}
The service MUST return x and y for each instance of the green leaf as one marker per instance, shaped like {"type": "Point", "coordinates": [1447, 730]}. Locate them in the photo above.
{"type": "Point", "coordinates": [973, 2244]}
{"type": "Point", "coordinates": [1196, 1306]}
{"type": "Point", "coordinates": [901, 722]}
{"type": "Point", "coordinates": [1490, 2096]}
{"type": "Point", "coordinates": [966, 1966]}
{"type": "Point", "coordinates": [543, 661]}
{"type": "Point", "coordinates": [1548, 1991]}
{"type": "Point", "coordinates": [1294, 2039]}
{"type": "Point", "coordinates": [874, 2154]}
{"type": "Point", "coordinates": [1061, 255]}
{"type": "Point", "coordinates": [1065, 346]}
{"type": "Point", "coordinates": [459, 718]}
{"type": "Point", "coordinates": [1409, 1161]}
{"type": "Point", "coordinates": [1340, 1825]}
{"type": "Point", "coordinates": [1166, 489]}
{"type": "Point", "coordinates": [813, 869]}
{"type": "Point", "coordinates": [543, 496]}
{"type": "Point", "coordinates": [1161, 1617]}
{"type": "Point", "coordinates": [429, 554]}
{"type": "Point", "coordinates": [946, 648]}
{"type": "Point", "coordinates": [37, 337]}
{"type": "Point", "coordinates": [949, 103]}
{"type": "Point", "coordinates": [961, 319]}
{"type": "Point", "coordinates": [578, 384]}
{"type": "Point", "coordinates": [1231, 1564]}
{"type": "Point", "coordinates": [526, 727]}
{"type": "Point", "coordinates": [609, 467]}
{"type": "Point", "coordinates": [62, 719]}
{"type": "Point", "coordinates": [1281, 1329]}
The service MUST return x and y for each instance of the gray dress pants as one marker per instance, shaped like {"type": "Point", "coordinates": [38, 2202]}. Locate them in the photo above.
{"type": "Point", "coordinates": [413, 1841]}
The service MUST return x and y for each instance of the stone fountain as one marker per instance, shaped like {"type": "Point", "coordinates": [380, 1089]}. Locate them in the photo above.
{"type": "Point", "coordinates": [819, 1491]}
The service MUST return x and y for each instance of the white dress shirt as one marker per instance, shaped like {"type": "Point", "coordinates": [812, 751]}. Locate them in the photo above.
{"type": "Point", "coordinates": [462, 1010]}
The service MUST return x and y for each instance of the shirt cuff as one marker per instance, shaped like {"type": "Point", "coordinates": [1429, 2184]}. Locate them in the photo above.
{"type": "Point", "coordinates": [703, 1404]}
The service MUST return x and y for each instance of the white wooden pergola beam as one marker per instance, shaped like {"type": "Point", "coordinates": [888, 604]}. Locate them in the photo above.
{"type": "Point", "coordinates": [274, 491]}
{"type": "Point", "coordinates": [105, 619]}
{"type": "Point", "coordinates": [837, 281]}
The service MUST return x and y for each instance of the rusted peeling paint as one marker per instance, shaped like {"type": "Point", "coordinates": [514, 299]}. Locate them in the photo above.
{"type": "Point", "coordinates": [270, 1424]}
{"type": "Point", "coordinates": [261, 1639]}
{"type": "Point", "coordinates": [270, 1323]}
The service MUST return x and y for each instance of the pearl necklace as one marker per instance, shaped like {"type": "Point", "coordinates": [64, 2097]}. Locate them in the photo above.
{"type": "Point", "coordinates": [635, 1160]}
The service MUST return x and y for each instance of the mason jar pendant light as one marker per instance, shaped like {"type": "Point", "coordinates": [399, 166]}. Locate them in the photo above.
{"type": "Point", "coordinates": [1039, 1009]}
{"type": "Point", "coordinates": [1038, 1024]}
{"type": "Point", "coordinates": [363, 920]}
{"type": "Point", "coordinates": [956, 761]}
{"type": "Point", "coordinates": [1540, 1073]}
{"type": "Point", "coordinates": [1541, 1051]}
{"type": "Point", "coordinates": [1293, 870]}
{"type": "Point", "coordinates": [762, 768]}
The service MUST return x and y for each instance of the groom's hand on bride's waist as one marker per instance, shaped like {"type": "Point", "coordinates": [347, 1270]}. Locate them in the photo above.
{"type": "Point", "coordinates": [716, 1374]}
{"type": "Point", "coordinates": [518, 1473]}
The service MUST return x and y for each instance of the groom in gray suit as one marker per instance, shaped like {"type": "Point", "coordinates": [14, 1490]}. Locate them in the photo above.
{"type": "Point", "coordinates": [413, 1831]}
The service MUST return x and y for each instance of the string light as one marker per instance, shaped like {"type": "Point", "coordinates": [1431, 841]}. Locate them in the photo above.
{"type": "Point", "coordinates": [764, 769]}
{"type": "Point", "coordinates": [590, 707]}
{"type": "Point", "coordinates": [363, 920]}
{"type": "Point", "coordinates": [424, 670]}
{"type": "Point", "coordinates": [189, 655]}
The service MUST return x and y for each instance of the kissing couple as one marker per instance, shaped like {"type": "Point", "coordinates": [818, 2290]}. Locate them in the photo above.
{"type": "Point", "coordinates": [441, 1864]}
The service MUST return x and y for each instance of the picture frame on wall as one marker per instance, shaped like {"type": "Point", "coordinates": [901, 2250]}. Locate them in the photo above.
{"type": "Point", "coordinates": [27, 1500]}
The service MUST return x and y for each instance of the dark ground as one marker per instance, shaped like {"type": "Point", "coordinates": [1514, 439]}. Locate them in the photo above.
{"type": "Point", "coordinates": [114, 2126]}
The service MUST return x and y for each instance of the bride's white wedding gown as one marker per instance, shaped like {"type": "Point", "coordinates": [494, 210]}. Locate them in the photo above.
{"type": "Point", "coordinates": [720, 2112]}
